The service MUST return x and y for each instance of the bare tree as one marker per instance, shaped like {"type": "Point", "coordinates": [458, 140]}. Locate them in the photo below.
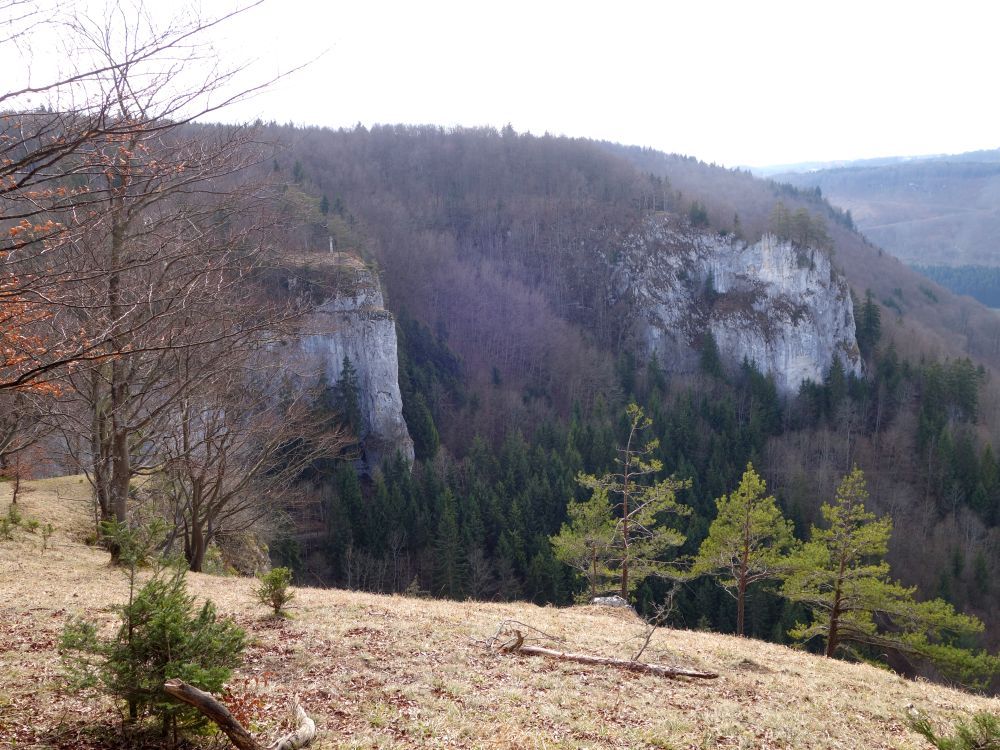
{"type": "Point", "coordinates": [132, 239]}
{"type": "Point", "coordinates": [90, 160]}
{"type": "Point", "coordinates": [236, 445]}
{"type": "Point", "coordinates": [21, 425]}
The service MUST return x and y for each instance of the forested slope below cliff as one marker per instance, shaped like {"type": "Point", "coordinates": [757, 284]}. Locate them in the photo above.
{"type": "Point", "coordinates": [501, 256]}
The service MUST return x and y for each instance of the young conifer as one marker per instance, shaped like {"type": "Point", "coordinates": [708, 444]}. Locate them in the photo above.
{"type": "Point", "coordinates": [641, 537]}
{"type": "Point", "coordinates": [841, 577]}
{"type": "Point", "coordinates": [747, 542]}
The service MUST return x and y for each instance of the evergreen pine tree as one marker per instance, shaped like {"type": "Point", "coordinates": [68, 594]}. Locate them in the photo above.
{"type": "Point", "coordinates": [420, 422]}
{"type": "Point", "coordinates": [347, 397]}
{"type": "Point", "coordinates": [162, 635]}
{"type": "Point", "coordinates": [449, 557]}
{"type": "Point", "coordinates": [841, 577]}
{"type": "Point", "coordinates": [642, 536]}
{"type": "Point", "coordinates": [710, 360]}
{"type": "Point", "coordinates": [586, 541]}
{"type": "Point", "coordinates": [746, 542]}
{"type": "Point", "coordinates": [868, 325]}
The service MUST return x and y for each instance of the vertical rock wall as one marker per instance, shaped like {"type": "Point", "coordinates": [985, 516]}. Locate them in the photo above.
{"type": "Point", "coordinates": [782, 307]}
{"type": "Point", "coordinates": [356, 324]}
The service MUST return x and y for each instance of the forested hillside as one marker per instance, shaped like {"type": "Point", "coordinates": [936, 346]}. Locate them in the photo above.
{"type": "Point", "coordinates": [517, 359]}
{"type": "Point", "coordinates": [982, 283]}
{"type": "Point", "coordinates": [926, 211]}
{"type": "Point", "coordinates": [462, 364]}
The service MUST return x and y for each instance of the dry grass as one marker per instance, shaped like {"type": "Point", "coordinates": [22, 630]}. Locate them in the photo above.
{"type": "Point", "coordinates": [392, 672]}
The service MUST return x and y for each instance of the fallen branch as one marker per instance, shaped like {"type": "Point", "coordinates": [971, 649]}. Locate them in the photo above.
{"type": "Point", "coordinates": [301, 737]}
{"type": "Point", "coordinates": [237, 734]}
{"type": "Point", "coordinates": [505, 626]}
{"type": "Point", "coordinates": [516, 646]}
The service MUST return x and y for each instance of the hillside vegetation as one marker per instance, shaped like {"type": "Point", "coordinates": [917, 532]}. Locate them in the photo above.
{"type": "Point", "coordinates": [518, 356]}
{"type": "Point", "coordinates": [156, 275]}
{"type": "Point", "coordinates": [933, 211]}
{"type": "Point", "coordinates": [399, 672]}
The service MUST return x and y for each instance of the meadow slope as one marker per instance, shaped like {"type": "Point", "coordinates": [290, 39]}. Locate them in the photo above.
{"type": "Point", "coordinates": [394, 672]}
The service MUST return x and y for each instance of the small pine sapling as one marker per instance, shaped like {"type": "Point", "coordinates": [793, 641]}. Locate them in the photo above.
{"type": "Point", "coordinates": [273, 590]}
{"type": "Point", "coordinates": [47, 531]}
{"type": "Point", "coordinates": [983, 733]}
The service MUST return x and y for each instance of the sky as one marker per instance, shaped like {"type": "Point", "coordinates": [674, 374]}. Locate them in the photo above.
{"type": "Point", "coordinates": [742, 83]}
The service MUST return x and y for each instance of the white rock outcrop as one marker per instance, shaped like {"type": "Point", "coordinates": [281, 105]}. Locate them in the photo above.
{"type": "Point", "coordinates": [355, 324]}
{"type": "Point", "coordinates": [782, 307]}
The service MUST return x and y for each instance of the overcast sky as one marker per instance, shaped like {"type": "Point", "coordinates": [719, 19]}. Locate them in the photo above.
{"type": "Point", "coordinates": [747, 82]}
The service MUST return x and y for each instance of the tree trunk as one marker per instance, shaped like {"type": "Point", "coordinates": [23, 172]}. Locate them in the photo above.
{"type": "Point", "coordinates": [835, 611]}
{"type": "Point", "coordinates": [741, 597]}
{"type": "Point", "coordinates": [593, 578]}
{"type": "Point", "coordinates": [741, 594]}
{"type": "Point", "coordinates": [99, 447]}
{"type": "Point", "coordinates": [831, 640]}
{"type": "Point", "coordinates": [196, 556]}
{"type": "Point", "coordinates": [625, 539]}
{"type": "Point", "coordinates": [121, 470]}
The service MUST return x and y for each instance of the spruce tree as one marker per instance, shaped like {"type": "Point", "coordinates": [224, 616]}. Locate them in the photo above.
{"type": "Point", "coordinates": [868, 324]}
{"type": "Point", "coordinates": [162, 635]}
{"type": "Point", "coordinates": [348, 397]}
{"type": "Point", "coordinates": [449, 556]}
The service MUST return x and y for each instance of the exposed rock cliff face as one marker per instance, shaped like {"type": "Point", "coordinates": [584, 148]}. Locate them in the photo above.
{"type": "Point", "coordinates": [783, 308]}
{"type": "Point", "coordinates": [356, 324]}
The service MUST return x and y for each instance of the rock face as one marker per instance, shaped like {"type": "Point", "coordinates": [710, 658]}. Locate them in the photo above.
{"type": "Point", "coordinates": [782, 307]}
{"type": "Point", "coordinates": [355, 324]}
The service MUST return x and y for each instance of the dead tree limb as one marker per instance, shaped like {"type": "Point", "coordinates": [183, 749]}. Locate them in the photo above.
{"type": "Point", "coordinates": [517, 647]}
{"type": "Point", "coordinates": [237, 734]}
{"type": "Point", "coordinates": [506, 626]}
{"type": "Point", "coordinates": [301, 737]}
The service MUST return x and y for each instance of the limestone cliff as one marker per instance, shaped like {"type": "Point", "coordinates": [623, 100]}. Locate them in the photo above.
{"type": "Point", "coordinates": [354, 323]}
{"type": "Point", "coordinates": [782, 307]}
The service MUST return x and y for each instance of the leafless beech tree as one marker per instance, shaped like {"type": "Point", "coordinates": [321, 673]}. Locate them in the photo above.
{"type": "Point", "coordinates": [131, 246]}
{"type": "Point", "coordinates": [233, 448]}
{"type": "Point", "coordinates": [99, 157]}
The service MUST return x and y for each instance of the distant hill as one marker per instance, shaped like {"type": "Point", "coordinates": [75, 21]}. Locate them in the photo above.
{"type": "Point", "coordinates": [932, 211]}
{"type": "Point", "coordinates": [778, 170]}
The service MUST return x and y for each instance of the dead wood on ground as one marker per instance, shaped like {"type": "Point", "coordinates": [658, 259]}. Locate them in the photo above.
{"type": "Point", "coordinates": [516, 645]}
{"type": "Point", "coordinates": [237, 734]}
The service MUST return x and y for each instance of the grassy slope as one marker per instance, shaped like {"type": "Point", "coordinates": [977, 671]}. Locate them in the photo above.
{"type": "Point", "coordinates": [394, 672]}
